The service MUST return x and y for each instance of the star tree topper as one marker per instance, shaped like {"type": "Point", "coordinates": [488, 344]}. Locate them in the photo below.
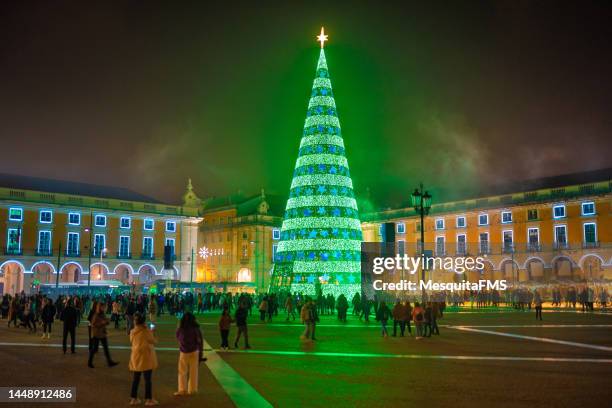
{"type": "Point", "coordinates": [322, 37]}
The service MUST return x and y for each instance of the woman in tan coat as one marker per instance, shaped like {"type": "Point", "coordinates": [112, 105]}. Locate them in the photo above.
{"type": "Point", "coordinates": [143, 359]}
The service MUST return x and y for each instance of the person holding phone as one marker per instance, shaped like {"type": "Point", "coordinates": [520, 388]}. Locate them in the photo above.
{"type": "Point", "coordinates": [143, 359]}
{"type": "Point", "coordinates": [191, 346]}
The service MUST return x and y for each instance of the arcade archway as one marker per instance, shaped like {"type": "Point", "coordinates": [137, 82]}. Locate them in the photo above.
{"type": "Point", "coordinates": [11, 277]}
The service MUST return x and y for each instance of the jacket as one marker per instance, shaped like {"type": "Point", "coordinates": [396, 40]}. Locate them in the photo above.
{"type": "Point", "coordinates": [48, 313]}
{"type": "Point", "coordinates": [98, 325]}
{"type": "Point", "coordinates": [225, 322]}
{"type": "Point", "coordinates": [69, 316]}
{"type": "Point", "coordinates": [142, 357]}
{"type": "Point", "coordinates": [241, 317]}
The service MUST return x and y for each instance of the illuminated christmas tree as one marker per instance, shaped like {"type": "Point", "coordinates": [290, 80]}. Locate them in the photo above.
{"type": "Point", "coordinates": [321, 233]}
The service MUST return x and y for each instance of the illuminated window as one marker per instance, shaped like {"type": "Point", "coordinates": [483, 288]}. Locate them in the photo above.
{"type": "Point", "coordinates": [125, 223]}
{"type": "Point", "coordinates": [559, 211]}
{"type": "Point", "coordinates": [147, 247]}
{"type": "Point", "coordinates": [275, 234]}
{"type": "Point", "coordinates": [74, 218]}
{"type": "Point", "coordinates": [461, 244]}
{"type": "Point", "coordinates": [44, 243]}
{"type": "Point", "coordinates": [72, 248]}
{"type": "Point", "coordinates": [506, 217]}
{"type": "Point", "coordinates": [148, 224]}
{"type": "Point", "coordinates": [13, 243]}
{"type": "Point", "coordinates": [533, 239]}
{"type": "Point", "coordinates": [590, 234]}
{"type": "Point", "coordinates": [461, 222]}
{"type": "Point", "coordinates": [100, 221]}
{"type": "Point", "coordinates": [171, 226]}
{"type": "Point", "coordinates": [124, 246]}
{"type": "Point", "coordinates": [99, 244]}
{"type": "Point", "coordinates": [484, 243]}
{"type": "Point", "coordinates": [15, 214]}
{"type": "Point", "coordinates": [45, 217]}
{"type": "Point", "coordinates": [560, 236]}
{"type": "Point", "coordinates": [508, 240]}
{"type": "Point", "coordinates": [588, 208]}
{"type": "Point", "coordinates": [401, 228]}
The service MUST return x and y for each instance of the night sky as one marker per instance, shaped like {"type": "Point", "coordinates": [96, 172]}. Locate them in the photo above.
{"type": "Point", "coordinates": [144, 95]}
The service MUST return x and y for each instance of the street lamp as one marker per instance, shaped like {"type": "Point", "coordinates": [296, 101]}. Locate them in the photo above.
{"type": "Point", "coordinates": [421, 202]}
{"type": "Point", "coordinates": [102, 253]}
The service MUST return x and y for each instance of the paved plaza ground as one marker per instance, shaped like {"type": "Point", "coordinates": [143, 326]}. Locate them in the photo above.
{"type": "Point", "coordinates": [492, 358]}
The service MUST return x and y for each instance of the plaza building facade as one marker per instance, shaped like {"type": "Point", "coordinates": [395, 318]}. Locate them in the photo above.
{"type": "Point", "coordinates": [238, 237]}
{"type": "Point", "coordinates": [60, 232]}
{"type": "Point", "coordinates": [556, 229]}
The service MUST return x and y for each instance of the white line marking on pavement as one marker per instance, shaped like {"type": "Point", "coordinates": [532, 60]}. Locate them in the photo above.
{"type": "Point", "coordinates": [542, 339]}
{"type": "Point", "coordinates": [545, 326]}
{"type": "Point", "coordinates": [427, 356]}
{"type": "Point", "coordinates": [240, 391]}
{"type": "Point", "coordinates": [350, 355]}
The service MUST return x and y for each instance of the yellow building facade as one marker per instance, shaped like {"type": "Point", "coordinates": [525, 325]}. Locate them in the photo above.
{"type": "Point", "coordinates": [114, 238]}
{"type": "Point", "coordinates": [548, 234]}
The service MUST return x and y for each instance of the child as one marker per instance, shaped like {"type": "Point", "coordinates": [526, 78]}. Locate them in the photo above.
{"type": "Point", "coordinates": [224, 326]}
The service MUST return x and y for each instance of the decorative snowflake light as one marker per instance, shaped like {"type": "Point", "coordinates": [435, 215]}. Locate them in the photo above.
{"type": "Point", "coordinates": [206, 252]}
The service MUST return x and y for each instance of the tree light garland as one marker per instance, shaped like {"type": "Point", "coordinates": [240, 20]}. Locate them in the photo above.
{"type": "Point", "coordinates": [321, 234]}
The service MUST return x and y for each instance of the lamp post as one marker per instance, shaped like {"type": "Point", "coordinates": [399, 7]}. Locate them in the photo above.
{"type": "Point", "coordinates": [102, 252]}
{"type": "Point", "coordinates": [421, 202]}
{"type": "Point", "coordinates": [90, 231]}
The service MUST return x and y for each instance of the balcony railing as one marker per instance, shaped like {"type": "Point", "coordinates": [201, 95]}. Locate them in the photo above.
{"type": "Point", "coordinates": [560, 245]}
{"type": "Point", "coordinates": [534, 247]}
{"type": "Point", "coordinates": [590, 244]}
{"type": "Point", "coordinates": [484, 248]}
{"type": "Point", "coordinates": [72, 253]}
{"type": "Point", "coordinates": [147, 256]}
{"type": "Point", "coordinates": [44, 252]}
{"type": "Point", "coordinates": [13, 251]}
{"type": "Point", "coordinates": [124, 255]}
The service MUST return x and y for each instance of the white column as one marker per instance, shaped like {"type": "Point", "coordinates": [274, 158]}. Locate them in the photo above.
{"type": "Point", "coordinates": [189, 241]}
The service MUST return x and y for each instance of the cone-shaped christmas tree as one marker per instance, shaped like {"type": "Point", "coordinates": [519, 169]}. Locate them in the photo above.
{"type": "Point", "coordinates": [321, 233]}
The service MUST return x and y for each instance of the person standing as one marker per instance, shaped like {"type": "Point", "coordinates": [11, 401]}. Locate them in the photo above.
{"type": "Point", "coordinates": [99, 322]}
{"type": "Point", "coordinates": [382, 315]}
{"type": "Point", "coordinates": [289, 307]}
{"type": "Point", "coordinates": [143, 359]}
{"type": "Point", "coordinates": [398, 320]}
{"type": "Point", "coordinates": [129, 315]}
{"type": "Point", "coordinates": [116, 313]}
{"type": "Point", "coordinates": [13, 312]}
{"type": "Point", "coordinates": [47, 316]}
{"type": "Point", "coordinates": [241, 323]}
{"type": "Point", "coordinates": [314, 318]}
{"type": "Point", "coordinates": [435, 313]}
{"type": "Point", "coordinates": [306, 316]}
{"type": "Point", "coordinates": [191, 346]}
{"type": "Point", "coordinates": [152, 310]}
{"type": "Point", "coordinates": [225, 323]}
{"type": "Point", "coordinates": [418, 317]}
{"type": "Point", "coordinates": [263, 309]}
{"type": "Point", "coordinates": [70, 318]}
{"type": "Point", "coordinates": [537, 300]}
{"type": "Point", "coordinates": [406, 315]}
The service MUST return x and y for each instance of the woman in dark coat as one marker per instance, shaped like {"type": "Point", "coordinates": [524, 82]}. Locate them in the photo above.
{"type": "Point", "coordinates": [47, 316]}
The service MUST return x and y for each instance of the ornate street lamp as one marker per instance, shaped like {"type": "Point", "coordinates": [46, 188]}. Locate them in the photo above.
{"type": "Point", "coordinates": [421, 202]}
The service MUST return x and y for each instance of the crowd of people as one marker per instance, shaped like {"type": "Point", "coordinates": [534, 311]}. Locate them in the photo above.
{"type": "Point", "coordinates": [139, 313]}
